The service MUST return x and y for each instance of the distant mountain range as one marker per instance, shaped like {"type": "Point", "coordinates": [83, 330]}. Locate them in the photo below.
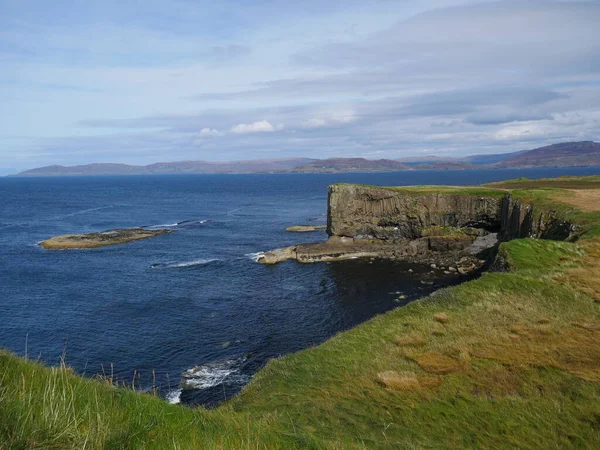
{"type": "Point", "coordinates": [566, 154]}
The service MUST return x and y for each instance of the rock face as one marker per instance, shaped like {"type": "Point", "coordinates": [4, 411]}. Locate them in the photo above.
{"type": "Point", "coordinates": [434, 226]}
{"type": "Point", "coordinates": [365, 212]}
{"type": "Point", "coordinates": [377, 213]}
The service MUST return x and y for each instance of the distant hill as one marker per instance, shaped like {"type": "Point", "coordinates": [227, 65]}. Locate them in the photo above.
{"type": "Point", "coordinates": [334, 165]}
{"type": "Point", "coordinates": [586, 153]}
{"type": "Point", "coordinates": [179, 167]}
{"type": "Point", "coordinates": [491, 159]}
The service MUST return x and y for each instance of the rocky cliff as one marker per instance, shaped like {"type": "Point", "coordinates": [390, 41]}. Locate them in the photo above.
{"type": "Point", "coordinates": [441, 225]}
{"type": "Point", "coordinates": [363, 212]}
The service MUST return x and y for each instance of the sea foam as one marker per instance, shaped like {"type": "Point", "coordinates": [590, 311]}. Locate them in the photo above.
{"type": "Point", "coordinates": [213, 374]}
{"type": "Point", "coordinates": [180, 264]}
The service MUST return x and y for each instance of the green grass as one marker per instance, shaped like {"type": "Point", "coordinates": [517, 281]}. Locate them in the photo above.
{"type": "Point", "coordinates": [567, 182]}
{"type": "Point", "coordinates": [425, 189]}
{"type": "Point", "coordinates": [448, 231]}
{"type": "Point", "coordinates": [46, 408]}
{"type": "Point", "coordinates": [514, 363]}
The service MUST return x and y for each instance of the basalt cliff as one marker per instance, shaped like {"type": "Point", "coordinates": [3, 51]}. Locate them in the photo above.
{"type": "Point", "coordinates": [438, 225]}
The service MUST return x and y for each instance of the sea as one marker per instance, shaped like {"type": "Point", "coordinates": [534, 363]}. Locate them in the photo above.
{"type": "Point", "coordinates": [191, 314]}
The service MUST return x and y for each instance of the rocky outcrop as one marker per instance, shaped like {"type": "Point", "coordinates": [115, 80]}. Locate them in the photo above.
{"type": "Point", "coordinates": [364, 212]}
{"type": "Point", "coordinates": [423, 225]}
{"type": "Point", "coordinates": [378, 213]}
{"type": "Point", "coordinates": [305, 228]}
{"type": "Point", "coordinates": [522, 219]}
{"type": "Point", "coordinates": [102, 239]}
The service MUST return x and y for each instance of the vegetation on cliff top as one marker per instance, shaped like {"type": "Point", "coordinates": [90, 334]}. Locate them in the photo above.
{"type": "Point", "coordinates": [426, 189]}
{"type": "Point", "coordinates": [510, 360]}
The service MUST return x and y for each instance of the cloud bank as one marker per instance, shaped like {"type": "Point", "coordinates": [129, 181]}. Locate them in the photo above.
{"type": "Point", "coordinates": [274, 79]}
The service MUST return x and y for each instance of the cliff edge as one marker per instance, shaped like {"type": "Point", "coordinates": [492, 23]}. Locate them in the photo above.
{"type": "Point", "coordinates": [428, 224]}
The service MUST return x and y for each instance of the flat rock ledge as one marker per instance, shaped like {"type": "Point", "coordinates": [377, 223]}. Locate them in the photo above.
{"type": "Point", "coordinates": [305, 228]}
{"type": "Point", "coordinates": [100, 239]}
{"type": "Point", "coordinates": [451, 254]}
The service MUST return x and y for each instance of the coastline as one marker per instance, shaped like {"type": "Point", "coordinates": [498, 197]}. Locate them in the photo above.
{"type": "Point", "coordinates": [512, 347]}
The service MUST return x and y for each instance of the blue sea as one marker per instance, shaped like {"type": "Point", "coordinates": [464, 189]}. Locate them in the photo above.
{"type": "Point", "coordinates": [191, 312]}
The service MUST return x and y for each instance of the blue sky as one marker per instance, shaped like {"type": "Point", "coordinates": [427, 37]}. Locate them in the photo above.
{"type": "Point", "coordinates": [144, 81]}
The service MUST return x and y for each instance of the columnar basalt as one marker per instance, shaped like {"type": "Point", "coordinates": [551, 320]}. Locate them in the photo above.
{"type": "Point", "coordinates": [429, 225]}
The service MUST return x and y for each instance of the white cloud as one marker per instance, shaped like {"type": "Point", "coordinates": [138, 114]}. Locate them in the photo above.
{"type": "Point", "coordinates": [207, 132]}
{"type": "Point", "coordinates": [331, 119]}
{"type": "Point", "coordinates": [263, 126]}
{"type": "Point", "coordinates": [315, 122]}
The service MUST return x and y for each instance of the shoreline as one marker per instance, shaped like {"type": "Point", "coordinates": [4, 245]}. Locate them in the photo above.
{"type": "Point", "coordinates": [514, 346]}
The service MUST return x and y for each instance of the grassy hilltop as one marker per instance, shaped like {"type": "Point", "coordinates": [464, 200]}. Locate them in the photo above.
{"type": "Point", "coordinates": [510, 360]}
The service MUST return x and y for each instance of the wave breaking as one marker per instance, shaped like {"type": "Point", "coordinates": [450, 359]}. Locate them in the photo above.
{"type": "Point", "coordinates": [213, 374]}
{"type": "Point", "coordinates": [181, 264]}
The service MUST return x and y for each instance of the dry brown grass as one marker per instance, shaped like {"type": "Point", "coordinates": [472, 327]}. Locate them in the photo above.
{"type": "Point", "coordinates": [575, 350]}
{"type": "Point", "coordinates": [410, 340]}
{"type": "Point", "coordinates": [402, 381]}
{"type": "Point", "coordinates": [584, 199]}
{"type": "Point", "coordinates": [398, 381]}
{"type": "Point", "coordinates": [586, 277]}
{"type": "Point", "coordinates": [587, 326]}
{"type": "Point", "coordinates": [441, 317]}
{"type": "Point", "coordinates": [434, 362]}
{"type": "Point", "coordinates": [499, 381]}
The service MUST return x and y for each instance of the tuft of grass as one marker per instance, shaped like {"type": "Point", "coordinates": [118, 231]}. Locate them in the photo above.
{"type": "Point", "coordinates": [398, 381]}
{"type": "Point", "coordinates": [433, 362]}
{"type": "Point", "coordinates": [441, 317]}
{"type": "Point", "coordinates": [410, 340]}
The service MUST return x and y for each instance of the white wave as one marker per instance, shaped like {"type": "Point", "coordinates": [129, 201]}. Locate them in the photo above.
{"type": "Point", "coordinates": [163, 225]}
{"type": "Point", "coordinates": [175, 265]}
{"type": "Point", "coordinates": [76, 213]}
{"type": "Point", "coordinates": [174, 396]}
{"type": "Point", "coordinates": [183, 223]}
{"type": "Point", "coordinates": [230, 213]}
{"type": "Point", "coordinates": [213, 374]}
{"type": "Point", "coordinates": [255, 256]}
{"type": "Point", "coordinates": [191, 223]}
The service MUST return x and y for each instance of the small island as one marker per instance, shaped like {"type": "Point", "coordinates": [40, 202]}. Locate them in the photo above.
{"type": "Point", "coordinates": [100, 239]}
{"type": "Point", "coordinates": [305, 228]}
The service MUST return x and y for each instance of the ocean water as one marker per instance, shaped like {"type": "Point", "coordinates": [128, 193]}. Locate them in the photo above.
{"type": "Point", "coordinates": [191, 311]}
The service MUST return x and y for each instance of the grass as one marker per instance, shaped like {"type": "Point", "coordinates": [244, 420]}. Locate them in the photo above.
{"type": "Point", "coordinates": [439, 231]}
{"type": "Point", "coordinates": [568, 182]}
{"type": "Point", "coordinates": [425, 189]}
{"type": "Point", "coordinates": [510, 360]}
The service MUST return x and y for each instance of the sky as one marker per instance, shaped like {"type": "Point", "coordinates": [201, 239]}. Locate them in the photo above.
{"type": "Point", "coordinates": [144, 81]}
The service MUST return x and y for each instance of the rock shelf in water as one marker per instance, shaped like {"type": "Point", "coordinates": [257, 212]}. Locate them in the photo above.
{"type": "Point", "coordinates": [100, 239]}
{"type": "Point", "coordinates": [305, 228]}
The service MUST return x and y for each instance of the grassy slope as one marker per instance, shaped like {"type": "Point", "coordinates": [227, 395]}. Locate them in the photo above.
{"type": "Point", "coordinates": [515, 362]}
